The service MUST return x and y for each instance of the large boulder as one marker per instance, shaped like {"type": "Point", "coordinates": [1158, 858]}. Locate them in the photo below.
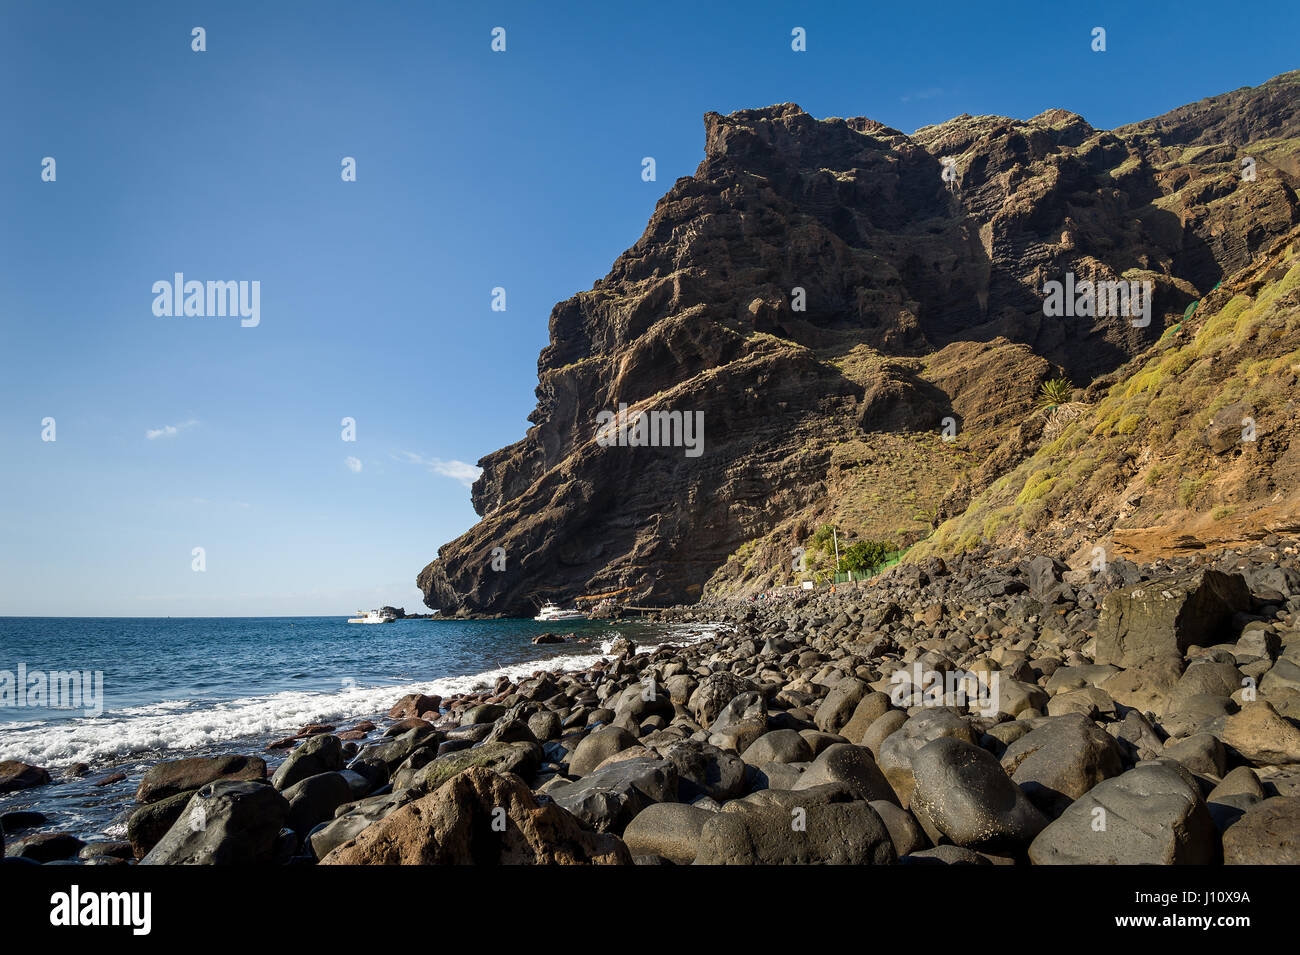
{"type": "Point", "coordinates": [314, 799]}
{"type": "Point", "coordinates": [796, 828]}
{"type": "Point", "coordinates": [705, 770]}
{"type": "Point", "coordinates": [320, 754]}
{"type": "Point", "coordinates": [225, 823]}
{"type": "Point", "coordinates": [778, 746]}
{"type": "Point", "coordinates": [870, 708]}
{"type": "Point", "coordinates": [47, 847]}
{"type": "Point", "coordinates": [393, 752]}
{"type": "Point", "coordinates": [414, 705]}
{"type": "Point", "coordinates": [186, 775]}
{"type": "Point", "coordinates": [608, 798]}
{"type": "Point", "coordinates": [16, 775]}
{"type": "Point", "coordinates": [355, 817]}
{"type": "Point", "coordinates": [851, 766]}
{"type": "Point", "coordinates": [1061, 760]}
{"type": "Point", "coordinates": [1158, 621]}
{"type": "Point", "coordinates": [151, 822]}
{"type": "Point", "coordinates": [713, 693]}
{"type": "Point", "coordinates": [837, 708]}
{"type": "Point", "coordinates": [1153, 814]}
{"type": "Point", "coordinates": [597, 746]}
{"type": "Point", "coordinates": [1261, 736]}
{"type": "Point", "coordinates": [667, 829]}
{"type": "Point", "coordinates": [479, 817]}
{"type": "Point", "coordinates": [740, 722]}
{"type": "Point", "coordinates": [963, 793]}
{"type": "Point", "coordinates": [640, 701]}
{"type": "Point", "coordinates": [1266, 834]}
{"type": "Point", "coordinates": [896, 750]}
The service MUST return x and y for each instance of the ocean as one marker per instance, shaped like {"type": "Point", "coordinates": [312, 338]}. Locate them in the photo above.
{"type": "Point", "coordinates": [174, 687]}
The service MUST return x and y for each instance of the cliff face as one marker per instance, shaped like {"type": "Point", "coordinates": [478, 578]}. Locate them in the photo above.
{"type": "Point", "coordinates": [922, 299]}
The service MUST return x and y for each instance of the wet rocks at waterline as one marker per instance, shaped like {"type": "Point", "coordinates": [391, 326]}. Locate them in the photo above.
{"type": "Point", "coordinates": [1139, 715]}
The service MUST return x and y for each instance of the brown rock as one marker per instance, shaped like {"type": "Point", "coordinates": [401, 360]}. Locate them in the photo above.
{"type": "Point", "coordinates": [454, 826]}
{"type": "Point", "coordinates": [413, 704]}
{"type": "Point", "coordinates": [15, 775]}
{"type": "Point", "coordinates": [178, 775]}
{"type": "Point", "coordinates": [1261, 736]}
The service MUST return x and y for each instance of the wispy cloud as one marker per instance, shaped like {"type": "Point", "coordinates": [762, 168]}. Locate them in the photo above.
{"type": "Point", "coordinates": [169, 430]}
{"type": "Point", "coordinates": [460, 471]}
{"type": "Point", "coordinates": [930, 93]}
{"type": "Point", "coordinates": [354, 464]}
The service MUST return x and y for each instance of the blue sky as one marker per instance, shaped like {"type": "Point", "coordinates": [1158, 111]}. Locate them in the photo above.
{"type": "Point", "coordinates": [475, 169]}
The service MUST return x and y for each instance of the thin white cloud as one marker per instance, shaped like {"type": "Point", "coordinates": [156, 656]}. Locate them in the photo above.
{"type": "Point", "coordinates": [169, 430]}
{"type": "Point", "coordinates": [460, 471]}
{"type": "Point", "coordinates": [466, 474]}
{"type": "Point", "coordinates": [354, 464]}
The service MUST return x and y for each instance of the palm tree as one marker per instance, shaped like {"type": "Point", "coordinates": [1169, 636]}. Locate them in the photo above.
{"type": "Point", "coordinates": [1055, 391]}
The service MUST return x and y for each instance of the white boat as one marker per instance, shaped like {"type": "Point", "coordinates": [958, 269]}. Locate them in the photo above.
{"type": "Point", "coordinates": [372, 616]}
{"type": "Point", "coordinates": [552, 611]}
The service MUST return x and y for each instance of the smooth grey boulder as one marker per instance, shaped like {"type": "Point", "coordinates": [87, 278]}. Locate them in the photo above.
{"type": "Point", "coordinates": [391, 753]}
{"type": "Point", "coordinates": [1060, 760]}
{"type": "Point", "coordinates": [837, 708]}
{"type": "Point", "coordinates": [795, 829]}
{"type": "Point", "coordinates": [319, 754]}
{"type": "Point", "coordinates": [314, 799]}
{"type": "Point", "coordinates": [150, 822]}
{"type": "Point", "coordinates": [897, 750]}
{"type": "Point", "coordinates": [778, 746]}
{"type": "Point", "coordinates": [851, 766]}
{"type": "Point", "coordinates": [354, 817]}
{"type": "Point", "coordinates": [668, 829]}
{"type": "Point", "coordinates": [705, 770]}
{"type": "Point", "coordinates": [1151, 815]}
{"type": "Point", "coordinates": [1202, 754]}
{"type": "Point", "coordinates": [225, 823]}
{"type": "Point", "coordinates": [597, 746]}
{"type": "Point", "coordinates": [742, 721]}
{"type": "Point", "coordinates": [609, 798]}
{"type": "Point", "coordinates": [905, 832]}
{"type": "Point", "coordinates": [962, 792]}
{"type": "Point", "coordinates": [640, 701]}
{"type": "Point", "coordinates": [544, 725]}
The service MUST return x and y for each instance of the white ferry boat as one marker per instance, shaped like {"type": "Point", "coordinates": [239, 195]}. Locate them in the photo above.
{"type": "Point", "coordinates": [372, 616]}
{"type": "Point", "coordinates": [552, 611]}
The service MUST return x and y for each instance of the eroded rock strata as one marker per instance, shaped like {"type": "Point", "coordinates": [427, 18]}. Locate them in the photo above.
{"type": "Point", "coordinates": [923, 300]}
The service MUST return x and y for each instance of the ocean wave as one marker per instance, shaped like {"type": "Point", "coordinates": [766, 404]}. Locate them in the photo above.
{"type": "Point", "coordinates": [179, 725]}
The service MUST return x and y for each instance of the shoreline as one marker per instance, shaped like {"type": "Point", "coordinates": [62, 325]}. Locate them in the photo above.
{"type": "Point", "coordinates": [98, 779]}
{"type": "Point", "coordinates": [1059, 692]}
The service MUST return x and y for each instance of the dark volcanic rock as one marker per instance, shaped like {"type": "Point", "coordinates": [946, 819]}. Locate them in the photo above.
{"type": "Point", "coordinates": [928, 294]}
{"type": "Point", "coordinates": [224, 823]}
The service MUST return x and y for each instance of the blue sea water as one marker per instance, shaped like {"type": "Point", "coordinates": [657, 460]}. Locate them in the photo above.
{"type": "Point", "coordinates": [176, 687]}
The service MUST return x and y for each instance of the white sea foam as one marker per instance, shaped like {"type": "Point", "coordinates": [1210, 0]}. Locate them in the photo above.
{"type": "Point", "coordinates": [173, 725]}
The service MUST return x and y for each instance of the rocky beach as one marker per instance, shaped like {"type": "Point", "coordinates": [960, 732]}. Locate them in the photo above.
{"type": "Point", "coordinates": [994, 709]}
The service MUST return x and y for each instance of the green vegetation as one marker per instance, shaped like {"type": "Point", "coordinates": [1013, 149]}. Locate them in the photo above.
{"type": "Point", "coordinates": [866, 555]}
{"type": "Point", "coordinates": [1148, 427]}
{"type": "Point", "coordinates": [1056, 391]}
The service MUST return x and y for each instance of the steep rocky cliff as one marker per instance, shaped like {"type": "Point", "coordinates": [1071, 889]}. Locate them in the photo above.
{"type": "Point", "coordinates": [826, 296]}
